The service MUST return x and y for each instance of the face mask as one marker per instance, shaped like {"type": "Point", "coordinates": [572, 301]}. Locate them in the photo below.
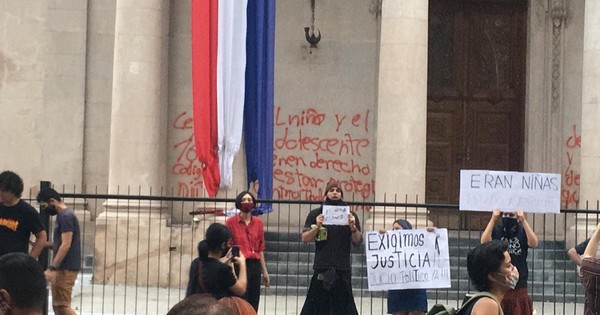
{"type": "Point", "coordinates": [51, 210]}
{"type": "Point", "coordinates": [510, 280]}
{"type": "Point", "coordinates": [509, 223]}
{"type": "Point", "coordinates": [246, 207]}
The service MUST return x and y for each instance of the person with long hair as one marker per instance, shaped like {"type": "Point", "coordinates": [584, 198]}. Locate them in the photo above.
{"type": "Point", "coordinates": [330, 289]}
{"type": "Point", "coordinates": [212, 271]}
{"type": "Point", "coordinates": [249, 235]}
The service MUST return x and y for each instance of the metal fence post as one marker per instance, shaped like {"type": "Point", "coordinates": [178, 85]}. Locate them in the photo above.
{"type": "Point", "coordinates": [44, 258]}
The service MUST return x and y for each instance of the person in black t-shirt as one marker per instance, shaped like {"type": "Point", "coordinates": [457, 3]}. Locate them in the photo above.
{"type": "Point", "coordinates": [18, 219]}
{"type": "Point", "coordinates": [514, 229]}
{"type": "Point", "coordinates": [330, 290]}
{"type": "Point", "coordinates": [212, 271]}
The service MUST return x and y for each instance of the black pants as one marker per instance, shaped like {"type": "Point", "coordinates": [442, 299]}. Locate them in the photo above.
{"type": "Point", "coordinates": [254, 274]}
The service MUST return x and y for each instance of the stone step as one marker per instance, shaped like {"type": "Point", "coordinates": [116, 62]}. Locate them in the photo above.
{"type": "Point", "coordinates": [552, 274]}
{"type": "Point", "coordinates": [304, 267]}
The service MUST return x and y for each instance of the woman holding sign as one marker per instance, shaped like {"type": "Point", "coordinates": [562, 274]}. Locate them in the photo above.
{"type": "Point", "coordinates": [409, 301]}
{"type": "Point", "coordinates": [514, 229]}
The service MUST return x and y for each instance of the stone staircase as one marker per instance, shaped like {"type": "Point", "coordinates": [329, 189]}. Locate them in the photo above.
{"type": "Point", "coordinates": [552, 276]}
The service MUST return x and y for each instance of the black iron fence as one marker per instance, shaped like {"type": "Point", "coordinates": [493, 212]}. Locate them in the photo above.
{"type": "Point", "coordinates": [137, 250]}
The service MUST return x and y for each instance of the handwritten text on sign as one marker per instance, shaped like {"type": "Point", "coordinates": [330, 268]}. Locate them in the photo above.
{"type": "Point", "coordinates": [335, 215]}
{"type": "Point", "coordinates": [408, 259]}
{"type": "Point", "coordinates": [509, 191]}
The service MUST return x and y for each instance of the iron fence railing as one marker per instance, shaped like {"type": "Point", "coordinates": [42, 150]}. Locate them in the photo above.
{"type": "Point", "coordinates": [137, 251]}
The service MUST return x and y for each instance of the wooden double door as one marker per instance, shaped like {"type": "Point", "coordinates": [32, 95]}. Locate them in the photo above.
{"type": "Point", "coordinates": [475, 107]}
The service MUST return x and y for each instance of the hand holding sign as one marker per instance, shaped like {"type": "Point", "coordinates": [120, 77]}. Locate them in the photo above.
{"type": "Point", "coordinates": [335, 215]}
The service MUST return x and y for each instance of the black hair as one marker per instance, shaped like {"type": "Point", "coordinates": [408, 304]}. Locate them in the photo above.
{"type": "Point", "coordinates": [238, 199]}
{"type": "Point", "coordinates": [404, 224]}
{"type": "Point", "coordinates": [23, 278]}
{"type": "Point", "coordinates": [200, 304]}
{"type": "Point", "coordinates": [11, 182]}
{"type": "Point", "coordinates": [216, 234]}
{"type": "Point", "coordinates": [484, 259]}
{"type": "Point", "coordinates": [46, 194]}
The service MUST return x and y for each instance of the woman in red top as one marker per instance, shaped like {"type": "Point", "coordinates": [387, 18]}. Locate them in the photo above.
{"type": "Point", "coordinates": [248, 234]}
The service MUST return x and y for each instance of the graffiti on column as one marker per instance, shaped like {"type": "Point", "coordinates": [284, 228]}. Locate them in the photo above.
{"type": "Point", "coordinates": [311, 146]}
{"type": "Point", "coordinates": [571, 176]}
{"type": "Point", "coordinates": [186, 169]}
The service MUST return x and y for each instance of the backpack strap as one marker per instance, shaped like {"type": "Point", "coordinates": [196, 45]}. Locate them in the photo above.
{"type": "Point", "coordinates": [479, 295]}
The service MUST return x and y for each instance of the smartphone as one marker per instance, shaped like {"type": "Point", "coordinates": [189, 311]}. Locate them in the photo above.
{"type": "Point", "coordinates": [235, 251]}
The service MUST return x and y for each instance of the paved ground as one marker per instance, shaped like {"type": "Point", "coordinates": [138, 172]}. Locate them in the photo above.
{"type": "Point", "coordinates": [129, 300]}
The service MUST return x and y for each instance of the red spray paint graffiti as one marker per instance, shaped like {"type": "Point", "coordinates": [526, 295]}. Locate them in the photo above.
{"type": "Point", "coordinates": [571, 176]}
{"type": "Point", "coordinates": [186, 168]}
{"type": "Point", "coordinates": [313, 146]}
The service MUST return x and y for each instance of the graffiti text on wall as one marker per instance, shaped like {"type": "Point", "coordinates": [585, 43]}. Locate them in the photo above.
{"type": "Point", "coordinates": [186, 169]}
{"type": "Point", "coordinates": [312, 146]}
{"type": "Point", "coordinates": [571, 176]}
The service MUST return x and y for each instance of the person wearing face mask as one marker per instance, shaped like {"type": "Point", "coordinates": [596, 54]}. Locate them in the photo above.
{"type": "Point", "coordinates": [330, 290]}
{"type": "Point", "coordinates": [248, 234]}
{"type": "Point", "coordinates": [514, 229]}
{"type": "Point", "coordinates": [66, 260]}
{"type": "Point", "coordinates": [490, 270]}
{"type": "Point", "coordinates": [212, 271]}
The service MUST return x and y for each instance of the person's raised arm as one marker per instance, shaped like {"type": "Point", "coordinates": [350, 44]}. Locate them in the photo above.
{"type": "Point", "coordinates": [309, 235]}
{"type": "Point", "coordinates": [239, 287]}
{"type": "Point", "coordinates": [574, 256]}
{"type": "Point", "coordinates": [532, 239]}
{"type": "Point", "coordinates": [592, 247]}
{"type": "Point", "coordinates": [354, 229]}
{"type": "Point", "coordinates": [486, 236]}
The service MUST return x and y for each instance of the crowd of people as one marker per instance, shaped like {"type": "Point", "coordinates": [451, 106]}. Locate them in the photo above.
{"type": "Point", "coordinates": [226, 276]}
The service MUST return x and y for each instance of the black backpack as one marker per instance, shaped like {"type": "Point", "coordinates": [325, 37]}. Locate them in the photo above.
{"type": "Point", "coordinates": [440, 309]}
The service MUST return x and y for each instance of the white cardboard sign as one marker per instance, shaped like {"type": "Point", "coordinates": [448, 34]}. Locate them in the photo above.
{"type": "Point", "coordinates": [407, 259]}
{"type": "Point", "coordinates": [335, 215]}
{"type": "Point", "coordinates": [483, 190]}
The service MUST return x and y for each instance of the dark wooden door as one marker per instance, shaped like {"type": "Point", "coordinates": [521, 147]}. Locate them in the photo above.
{"type": "Point", "coordinates": [475, 107]}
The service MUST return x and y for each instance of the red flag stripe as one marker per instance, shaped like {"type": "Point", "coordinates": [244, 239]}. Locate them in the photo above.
{"type": "Point", "coordinates": [204, 70]}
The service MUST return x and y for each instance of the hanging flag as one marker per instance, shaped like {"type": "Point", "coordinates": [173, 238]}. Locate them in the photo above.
{"type": "Point", "coordinates": [204, 94]}
{"type": "Point", "coordinates": [258, 109]}
{"type": "Point", "coordinates": [232, 74]}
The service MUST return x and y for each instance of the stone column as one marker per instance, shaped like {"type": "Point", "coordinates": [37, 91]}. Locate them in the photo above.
{"type": "Point", "coordinates": [590, 119]}
{"type": "Point", "coordinates": [132, 238]}
{"type": "Point", "coordinates": [402, 109]}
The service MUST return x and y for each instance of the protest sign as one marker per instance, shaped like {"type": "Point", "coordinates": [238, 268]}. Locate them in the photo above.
{"type": "Point", "coordinates": [483, 190]}
{"type": "Point", "coordinates": [407, 259]}
{"type": "Point", "coordinates": [335, 215]}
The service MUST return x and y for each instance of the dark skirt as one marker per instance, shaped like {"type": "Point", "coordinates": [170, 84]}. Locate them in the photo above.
{"type": "Point", "coordinates": [335, 297]}
{"type": "Point", "coordinates": [407, 300]}
{"type": "Point", "coordinates": [517, 302]}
